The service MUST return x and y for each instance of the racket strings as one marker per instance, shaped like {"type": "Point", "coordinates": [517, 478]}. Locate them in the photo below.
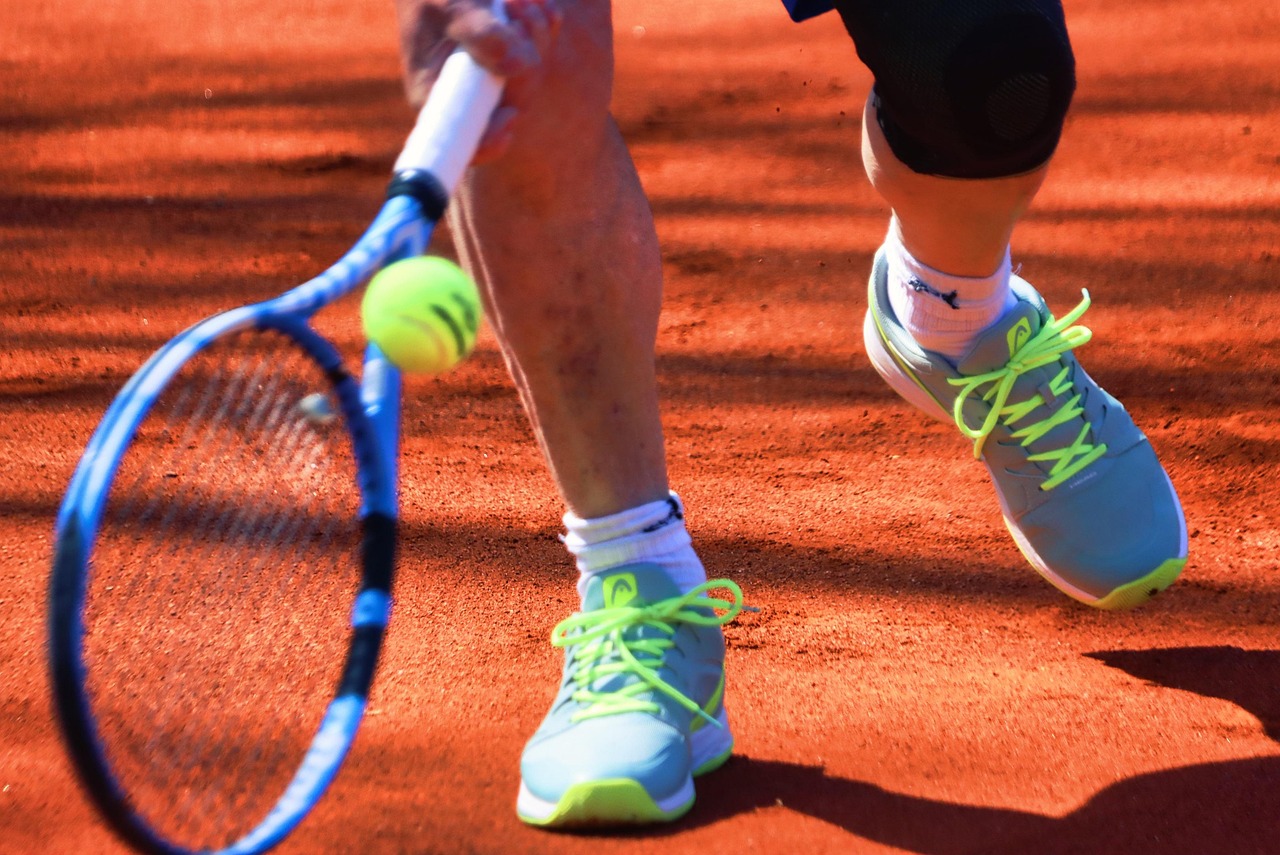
{"type": "Point", "coordinates": [155, 745]}
{"type": "Point", "coordinates": [233, 530]}
{"type": "Point", "coordinates": [216, 616]}
{"type": "Point", "coordinates": [292, 444]}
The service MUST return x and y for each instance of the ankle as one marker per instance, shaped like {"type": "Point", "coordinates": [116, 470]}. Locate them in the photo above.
{"type": "Point", "coordinates": [942, 312]}
{"type": "Point", "coordinates": [653, 533]}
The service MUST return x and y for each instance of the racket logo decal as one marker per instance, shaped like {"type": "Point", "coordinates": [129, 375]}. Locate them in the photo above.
{"type": "Point", "coordinates": [619, 590]}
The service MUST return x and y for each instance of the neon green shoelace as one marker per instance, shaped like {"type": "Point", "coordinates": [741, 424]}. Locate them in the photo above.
{"type": "Point", "coordinates": [1047, 346]}
{"type": "Point", "coordinates": [603, 651]}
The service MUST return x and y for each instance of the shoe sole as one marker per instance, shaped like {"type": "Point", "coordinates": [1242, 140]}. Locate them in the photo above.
{"type": "Point", "coordinates": [624, 801]}
{"type": "Point", "coordinates": [898, 374]}
{"type": "Point", "coordinates": [1128, 595]}
{"type": "Point", "coordinates": [900, 378]}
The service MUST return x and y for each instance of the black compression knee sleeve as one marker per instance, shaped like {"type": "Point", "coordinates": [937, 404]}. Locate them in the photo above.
{"type": "Point", "coordinates": [966, 88]}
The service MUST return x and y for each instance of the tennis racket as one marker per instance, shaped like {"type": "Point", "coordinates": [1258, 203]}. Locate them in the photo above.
{"type": "Point", "coordinates": [225, 550]}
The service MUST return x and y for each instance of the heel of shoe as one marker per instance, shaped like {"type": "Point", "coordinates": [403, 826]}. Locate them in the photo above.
{"type": "Point", "coordinates": [898, 378]}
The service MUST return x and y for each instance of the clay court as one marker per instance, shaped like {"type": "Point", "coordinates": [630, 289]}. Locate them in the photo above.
{"type": "Point", "coordinates": [909, 684]}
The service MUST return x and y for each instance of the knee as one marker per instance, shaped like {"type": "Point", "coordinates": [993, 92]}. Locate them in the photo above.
{"type": "Point", "coordinates": [1009, 85]}
{"type": "Point", "coordinates": [980, 96]}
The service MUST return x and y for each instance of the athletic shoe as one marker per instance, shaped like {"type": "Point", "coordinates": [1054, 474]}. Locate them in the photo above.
{"type": "Point", "coordinates": [1081, 489]}
{"type": "Point", "coordinates": [640, 710]}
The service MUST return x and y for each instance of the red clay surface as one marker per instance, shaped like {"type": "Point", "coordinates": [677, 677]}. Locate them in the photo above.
{"type": "Point", "coordinates": [909, 685]}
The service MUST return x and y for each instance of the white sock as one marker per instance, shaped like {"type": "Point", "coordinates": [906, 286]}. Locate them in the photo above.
{"type": "Point", "coordinates": [944, 313]}
{"type": "Point", "coordinates": [653, 533]}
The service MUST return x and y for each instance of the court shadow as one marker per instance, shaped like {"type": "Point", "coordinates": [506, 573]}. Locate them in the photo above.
{"type": "Point", "coordinates": [1247, 678]}
{"type": "Point", "coordinates": [1227, 807]}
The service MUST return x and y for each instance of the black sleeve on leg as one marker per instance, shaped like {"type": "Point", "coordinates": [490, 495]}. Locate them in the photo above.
{"type": "Point", "coordinates": [966, 88]}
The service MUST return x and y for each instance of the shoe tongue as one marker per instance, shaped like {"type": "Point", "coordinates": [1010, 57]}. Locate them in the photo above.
{"type": "Point", "coordinates": [996, 345]}
{"type": "Point", "coordinates": [629, 585]}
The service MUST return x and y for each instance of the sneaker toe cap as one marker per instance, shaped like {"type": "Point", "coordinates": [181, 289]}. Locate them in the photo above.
{"type": "Point", "coordinates": [1101, 533]}
{"type": "Point", "coordinates": [631, 746]}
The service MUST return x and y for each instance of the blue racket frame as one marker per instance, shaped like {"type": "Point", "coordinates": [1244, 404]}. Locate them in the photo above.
{"type": "Point", "coordinates": [371, 406]}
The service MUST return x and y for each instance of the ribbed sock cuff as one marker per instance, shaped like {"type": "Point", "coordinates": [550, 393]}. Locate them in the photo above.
{"type": "Point", "coordinates": [652, 533]}
{"type": "Point", "coordinates": [942, 312]}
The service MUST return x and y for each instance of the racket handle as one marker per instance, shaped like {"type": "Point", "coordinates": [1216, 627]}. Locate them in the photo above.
{"type": "Point", "coordinates": [451, 123]}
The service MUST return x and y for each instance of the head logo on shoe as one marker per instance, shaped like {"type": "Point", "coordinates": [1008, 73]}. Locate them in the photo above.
{"type": "Point", "coordinates": [1018, 336]}
{"type": "Point", "coordinates": [619, 590]}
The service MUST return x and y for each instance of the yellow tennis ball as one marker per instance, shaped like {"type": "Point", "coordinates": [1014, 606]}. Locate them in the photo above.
{"type": "Point", "coordinates": [423, 313]}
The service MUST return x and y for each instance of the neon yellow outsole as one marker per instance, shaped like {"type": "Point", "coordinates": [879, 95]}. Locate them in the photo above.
{"type": "Point", "coordinates": [1138, 592]}
{"type": "Point", "coordinates": [1127, 596]}
{"type": "Point", "coordinates": [611, 802]}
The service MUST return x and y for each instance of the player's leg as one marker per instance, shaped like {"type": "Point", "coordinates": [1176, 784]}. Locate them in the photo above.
{"type": "Point", "coordinates": [560, 238]}
{"type": "Point", "coordinates": [561, 241]}
{"type": "Point", "coordinates": [968, 106]}
{"type": "Point", "coordinates": [962, 226]}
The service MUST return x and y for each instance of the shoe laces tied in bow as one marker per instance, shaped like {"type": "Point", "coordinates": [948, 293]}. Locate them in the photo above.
{"type": "Point", "coordinates": [1047, 346]}
{"type": "Point", "coordinates": [607, 645]}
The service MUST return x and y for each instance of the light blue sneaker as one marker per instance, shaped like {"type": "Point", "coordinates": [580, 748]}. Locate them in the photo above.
{"type": "Point", "coordinates": [1081, 489]}
{"type": "Point", "coordinates": [640, 710]}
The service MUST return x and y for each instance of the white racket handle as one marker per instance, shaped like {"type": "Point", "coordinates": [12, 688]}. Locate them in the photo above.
{"type": "Point", "coordinates": [450, 124]}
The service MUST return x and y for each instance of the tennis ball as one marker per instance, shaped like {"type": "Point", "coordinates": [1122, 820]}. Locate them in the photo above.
{"type": "Point", "coordinates": [423, 313]}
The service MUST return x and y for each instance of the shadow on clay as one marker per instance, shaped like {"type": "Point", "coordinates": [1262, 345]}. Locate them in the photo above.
{"type": "Point", "coordinates": [1230, 806]}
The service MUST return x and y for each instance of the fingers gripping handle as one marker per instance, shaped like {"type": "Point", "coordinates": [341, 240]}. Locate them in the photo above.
{"type": "Point", "coordinates": [453, 120]}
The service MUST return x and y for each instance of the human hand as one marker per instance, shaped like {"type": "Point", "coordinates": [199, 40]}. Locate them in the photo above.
{"type": "Point", "coordinates": [515, 50]}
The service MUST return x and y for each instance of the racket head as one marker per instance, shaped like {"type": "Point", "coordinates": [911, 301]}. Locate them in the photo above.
{"type": "Point", "coordinates": [221, 586]}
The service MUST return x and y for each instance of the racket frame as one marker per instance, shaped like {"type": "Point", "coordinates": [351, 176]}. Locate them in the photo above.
{"type": "Point", "coordinates": [371, 406]}
{"type": "Point", "coordinates": [434, 158]}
